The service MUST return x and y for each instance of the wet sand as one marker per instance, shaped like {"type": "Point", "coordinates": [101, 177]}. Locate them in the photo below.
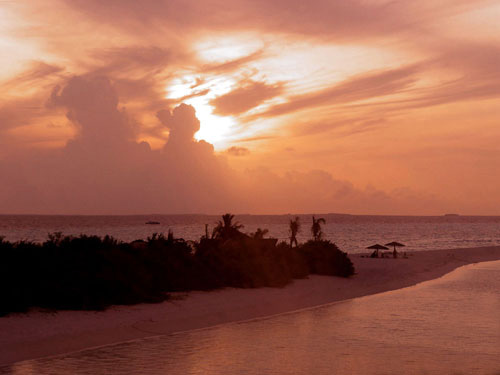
{"type": "Point", "coordinates": [38, 334]}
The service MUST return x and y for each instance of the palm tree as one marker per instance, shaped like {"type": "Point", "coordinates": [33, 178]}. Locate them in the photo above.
{"type": "Point", "coordinates": [294, 229]}
{"type": "Point", "coordinates": [226, 228]}
{"type": "Point", "coordinates": [316, 228]}
{"type": "Point", "coordinates": [260, 233]}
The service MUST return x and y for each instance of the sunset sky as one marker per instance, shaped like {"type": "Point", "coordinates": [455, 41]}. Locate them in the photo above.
{"type": "Point", "coordinates": [363, 106]}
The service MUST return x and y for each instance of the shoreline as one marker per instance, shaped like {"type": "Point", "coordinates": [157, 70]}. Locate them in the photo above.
{"type": "Point", "coordinates": [40, 334]}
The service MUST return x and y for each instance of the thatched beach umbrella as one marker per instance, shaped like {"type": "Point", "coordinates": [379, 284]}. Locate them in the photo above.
{"type": "Point", "coordinates": [377, 247]}
{"type": "Point", "coordinates": [395, 244]}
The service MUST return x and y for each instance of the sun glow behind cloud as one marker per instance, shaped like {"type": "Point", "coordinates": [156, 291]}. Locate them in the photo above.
{"type": "Point", "coordinates": [199, 89]}
{"type": "Point", "coordinates": [298, 87]}
{"type": "Point", "coordinates": [198, 93]}
{"type": "Point", "coordinates": [304, 66]}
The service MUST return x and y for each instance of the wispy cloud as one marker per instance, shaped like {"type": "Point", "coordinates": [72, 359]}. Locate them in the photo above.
{"type": "Point", "coordinates": [330, 80]}
{"type": "Point", "coordinates": [365, 86]}
{"type": "Point", "coordinates": [248, 95]}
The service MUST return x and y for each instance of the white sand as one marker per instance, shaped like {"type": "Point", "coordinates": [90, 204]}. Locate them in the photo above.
{"type": "Point", "coordinates": [38, 334]}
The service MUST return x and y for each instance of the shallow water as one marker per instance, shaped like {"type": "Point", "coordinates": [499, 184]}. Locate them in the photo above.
{"type": "Point", "coordinates": [447, 326]}
{"type": "Point", "coordinates": [351, 233]}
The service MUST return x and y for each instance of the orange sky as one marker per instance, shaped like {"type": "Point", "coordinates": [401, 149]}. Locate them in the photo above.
{"type": "Point", "coordinates": [377, 107]}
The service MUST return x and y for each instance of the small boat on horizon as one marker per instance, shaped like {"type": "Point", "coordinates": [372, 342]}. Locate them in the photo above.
{"type": "Point", "coordinates": [152, 222]}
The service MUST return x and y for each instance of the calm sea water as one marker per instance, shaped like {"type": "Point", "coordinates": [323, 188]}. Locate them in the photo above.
{"type": "Point", "coordinates": [351, 233]}
{"type": "Point", "coordinates": [447, 326]}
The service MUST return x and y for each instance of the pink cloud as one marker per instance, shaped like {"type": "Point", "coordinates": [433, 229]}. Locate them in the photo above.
{"type": "Point", "coordinates": [238, 151]}
{"type": "Point", "coordinates": [103, 170]}
{"type": "Point", "coordinates": [245, 97]}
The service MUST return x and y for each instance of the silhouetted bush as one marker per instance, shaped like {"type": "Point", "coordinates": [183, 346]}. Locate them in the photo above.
{"type": "Point", "coordinates": [244, 262]}
{"type": "Point", "coordinates": [84, 272]}
{"type": "Point", "coordinates": [324, 258]}
{"type": "Point", "coordinates": [92, 273]}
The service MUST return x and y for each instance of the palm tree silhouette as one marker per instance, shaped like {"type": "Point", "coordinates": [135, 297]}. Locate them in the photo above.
{"type": "Point", "coordinates": [316, 228]}
{"type": "Point", "coordinates": [226, 229]}
{"type": "Point", "coordinates": [294, 229]}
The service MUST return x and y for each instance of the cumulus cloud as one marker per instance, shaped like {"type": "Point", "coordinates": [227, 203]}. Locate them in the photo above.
{"type": "Point", "coordinates": [182, 123]}
{"type": "Point", "coordinates": [238, 151]}
{"type": "Point", "coordinates": [92, 105]}
{"type": "Point", "coordinates": [123, 68]}
{"type": "Point", "coordinates": [104, 170]}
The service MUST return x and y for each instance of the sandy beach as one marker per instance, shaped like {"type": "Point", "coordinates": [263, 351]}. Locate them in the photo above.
{"type": "Point", "coordinates": [39, 334]}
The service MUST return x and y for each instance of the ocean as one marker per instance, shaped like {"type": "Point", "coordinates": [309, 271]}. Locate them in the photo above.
{"type": "Point", "coordinates": [445, 326]}
{"type": "Point", "coordinates": [352, 233]}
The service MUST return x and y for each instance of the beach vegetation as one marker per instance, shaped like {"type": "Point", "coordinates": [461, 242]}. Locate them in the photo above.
{"type": "Point", "coordinates": [294, 229]}
{"type": "Point", "coordinates": [260, 233]}
{"type": "Point", "coordinates": [316, 231]}
{"type": "Point", "coordinates": [91, 273]}
{"type": "Point", "coordinates": [226, 229]}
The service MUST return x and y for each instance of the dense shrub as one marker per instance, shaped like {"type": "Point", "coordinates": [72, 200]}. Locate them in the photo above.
{"type": "Point", "coordinates": [244, 263]}
{"type": "Point", "coordinates": [84, 272]}
{"type": "Point", "coordinates": [324, 258]}
{"type": "Point", "coordinates": [91, 273]}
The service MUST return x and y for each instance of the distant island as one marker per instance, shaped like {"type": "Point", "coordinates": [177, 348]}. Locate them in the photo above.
{"type": "Point", "coordinates": [451, 215]}
{"type": "Point", "coordinates": [92, 273]}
